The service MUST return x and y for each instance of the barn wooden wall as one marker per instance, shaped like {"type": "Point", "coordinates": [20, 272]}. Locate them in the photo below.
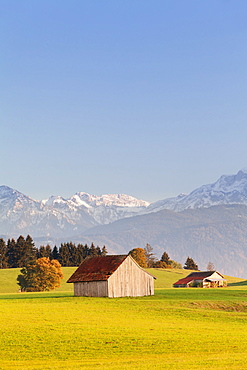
{"type": "Point", "coordinates": [91, 289]}
{"type": "Point", "coordinates": [129, 280]}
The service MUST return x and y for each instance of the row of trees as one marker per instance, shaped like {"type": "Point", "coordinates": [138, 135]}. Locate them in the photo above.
{"type": "Point", "coordinates": [146, 258]}
{"type": "Point", "coordinates": [20, 252]}
{"type": "Point", "coordinates": [42, 267]}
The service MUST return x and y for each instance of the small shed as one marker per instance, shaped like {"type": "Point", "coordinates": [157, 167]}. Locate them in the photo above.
{"type": "Point", "coordinates": [111, 276]}
{"type": "Point", "coordinates": [202, 279]}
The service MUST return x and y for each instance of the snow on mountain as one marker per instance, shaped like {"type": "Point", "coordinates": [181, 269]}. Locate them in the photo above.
{"type": "Point", "coordinates": [61, 217]}
{"type": "Point", "coordinates": [58, 216]}
{"type": "Point", "coordinates": [120, 200]}
{"type": "Point", "coordinates": [110, 207]}
{"type": "Point", "coordinates": [102, 209]}
{"type": "Point", "coordinates": [12, 201]}
{"type": "Point", "coordinates": [22, 214]}
{"type": "Point", "coordinates": [229, 189]}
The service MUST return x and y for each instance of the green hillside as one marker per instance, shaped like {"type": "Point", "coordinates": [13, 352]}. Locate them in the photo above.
{"type": "Point", "coordinates": [164, 279]}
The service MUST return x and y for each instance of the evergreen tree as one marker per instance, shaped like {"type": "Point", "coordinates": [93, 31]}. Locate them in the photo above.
{"type": "Point", "coordinates": [86, 251]}
{"type": "Point", "coordinates": [12, 253]}
{"type": "Point", "coordinates": [98, 250]}
{"type": "Point", "coordinates": [22, 252]}
{"type": "Point", "coordinates": [45, 251]}
{"type": "Point", "coordinates": [165, 258]}
{"type": "Point", "coordinates": [3, 255]}
{"type": "Point", "coordinates": [26, 250]}
{"type": "Point", "coordinates": [73, 261]}
{"type": "Point", "coordinates": [104, 251]}
{"type": "Point", "coordinates": [190, 264]}
{"type": "Point", "coordinates": [93, 251]}
{"type": "Point", "coordinates": [64, 255]}
{"type": "Point", "coordinates": [55, 253]}
{"type": "Point", "coordinates": [41, 252]}
{"type": "Point", "coordinates": [81, 253]}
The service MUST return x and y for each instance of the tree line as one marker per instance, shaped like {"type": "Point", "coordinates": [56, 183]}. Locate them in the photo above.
{"type": "Point", "coordinates": [19, 253]}
{"type": "Point", "coordinates": [147, 259]}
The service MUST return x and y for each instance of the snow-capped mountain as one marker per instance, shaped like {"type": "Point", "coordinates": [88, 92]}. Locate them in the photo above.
{"type": "Point", "coordinates": [209, 223]}
{"type": "Point", "coordinates": [102, 209]}
{"type": "Point", "coordinates": [59, 217]}
{"type": "Point", "coordinates": [229, 189]}
{"type": "Point", "coordinates": [22, 214]}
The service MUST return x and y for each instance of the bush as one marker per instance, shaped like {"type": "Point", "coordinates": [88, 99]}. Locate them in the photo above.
{"type": "Point", "coordinates": [161, 265]}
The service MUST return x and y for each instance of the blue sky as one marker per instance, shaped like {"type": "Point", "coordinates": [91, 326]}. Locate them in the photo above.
{"type": "Point", "coordinates": [146, 98]}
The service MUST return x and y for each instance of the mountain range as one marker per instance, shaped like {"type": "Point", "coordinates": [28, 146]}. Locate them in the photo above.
{"type": "Point", "coordinates": [209, 224]}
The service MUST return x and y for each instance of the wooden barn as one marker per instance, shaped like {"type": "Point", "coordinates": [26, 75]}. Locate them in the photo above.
{"type": "Point", "coordinates": [111, 276]}
{"type": "Point", "coordinates": [202, 279]}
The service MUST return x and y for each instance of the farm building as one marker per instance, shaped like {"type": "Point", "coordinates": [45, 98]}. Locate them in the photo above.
{"type": "Point", "coordinates": [111, 276]}
{"type": "Point", "coordinates": [202, 279]}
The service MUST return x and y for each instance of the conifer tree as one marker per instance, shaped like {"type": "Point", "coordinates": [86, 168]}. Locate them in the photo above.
{"type": "Point", "coordinates": [45, 251]}
{"type": "Point", "coordinates": [104, 251]}
{"type": "Point", "coordinates": [12, 253]}
{"type": "Point", "coordinates": [165, 258]}
{"type": "Point", "coordinates": [86, 250]}
{"type": "Point", "coordinates": [3, 254]}
{"type": "Point", "coordinates": [64, 255]}
{"type": "Point", "coordinates": [55, 253]}
{"type": "Point", "coordinates": [26, 250]}
{"type": "Point", "coordinates": [190, 264]}
{"type": "Point", "coordinates": [21, 251]}
{"type": "Point", "coordinates": [93, 251]}
{"type": "Point", "coordinates": [73, 254]}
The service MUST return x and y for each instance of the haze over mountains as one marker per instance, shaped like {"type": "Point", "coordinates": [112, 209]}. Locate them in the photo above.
{"type": "Point", "coordinates": [209, 224]}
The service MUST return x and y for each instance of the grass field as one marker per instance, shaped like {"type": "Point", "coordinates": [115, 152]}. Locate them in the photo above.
{"type": "Point", "coordinates": [165, 279]}
{"type": "Point", "coordinates": [174, 329]}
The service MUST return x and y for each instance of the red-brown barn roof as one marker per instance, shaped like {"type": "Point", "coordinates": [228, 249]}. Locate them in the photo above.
{"type": "Point", "coordinates": [200, 275]}
{"type": "Point", "coordinates": [97, 268]}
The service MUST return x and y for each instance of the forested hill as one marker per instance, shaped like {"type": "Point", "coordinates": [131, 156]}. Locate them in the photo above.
{"type": "Point", "coordinates": [217, 234]}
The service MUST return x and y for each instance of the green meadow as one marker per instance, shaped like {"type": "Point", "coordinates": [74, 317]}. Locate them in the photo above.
{"type": "Point", "coordinates": [174, 329]}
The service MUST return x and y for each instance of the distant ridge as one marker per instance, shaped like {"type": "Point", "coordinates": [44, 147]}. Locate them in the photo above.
{"type": "Point", "coordinates": [208, 224]}
{"type": "Point", "coordinates": [60, 217]}
{"type": "Point", "coordinates": [229, 189]}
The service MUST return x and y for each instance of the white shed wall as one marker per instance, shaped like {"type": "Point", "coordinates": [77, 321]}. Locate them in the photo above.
{"type": "Point", "coordinates": [215, 275]}
{"type": "Point", "coordinates": [129, 280]}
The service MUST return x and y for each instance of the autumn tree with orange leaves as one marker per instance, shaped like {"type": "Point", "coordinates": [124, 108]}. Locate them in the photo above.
{"type": "Point", "coordinates": [139, 256]}
{"type": "Point", "coordinates": [40, 275]}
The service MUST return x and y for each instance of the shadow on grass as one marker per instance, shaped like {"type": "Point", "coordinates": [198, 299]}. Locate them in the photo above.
{"type": "Point", "coordinates": [240, 283]}
{"type": "Point", "coordinates": [40, 295]}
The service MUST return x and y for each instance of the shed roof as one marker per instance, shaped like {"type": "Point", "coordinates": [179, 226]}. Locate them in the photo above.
{"type": "Point", "coordinates": [200, 275]}
{"type": "Point", "coordinates": [97, 268]}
